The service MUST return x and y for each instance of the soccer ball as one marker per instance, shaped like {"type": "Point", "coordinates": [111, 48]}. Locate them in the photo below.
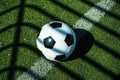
{"type": "Point", "coordinates": [56, 40]}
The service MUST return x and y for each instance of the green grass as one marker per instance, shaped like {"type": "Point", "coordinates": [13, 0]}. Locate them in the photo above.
{"type": "Point", "coordinates": [28, 35]}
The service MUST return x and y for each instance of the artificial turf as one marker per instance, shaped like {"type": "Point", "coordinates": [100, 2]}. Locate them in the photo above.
{"type": "Point", "coordinates": [101, 62]}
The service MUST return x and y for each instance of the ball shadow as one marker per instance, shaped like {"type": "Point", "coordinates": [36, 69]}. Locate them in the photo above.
{"type": "Point", "coordinates": [84, 42]}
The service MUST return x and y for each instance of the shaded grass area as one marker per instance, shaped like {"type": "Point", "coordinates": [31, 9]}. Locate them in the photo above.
{"type": "Point", "coordinates": [109, 58]}
{"type": "Point", "coordinates": [100, 62]}
{"type": "Point", "coordinates": [97, 61]}
{"type": "Point", "coordinates": [32, 15]}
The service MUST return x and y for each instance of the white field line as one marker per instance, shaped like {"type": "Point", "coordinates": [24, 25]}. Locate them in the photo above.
{"type": "Point", "coordinates": [94, 14]}
{"type": "Point", "coordinates": [42, 66]}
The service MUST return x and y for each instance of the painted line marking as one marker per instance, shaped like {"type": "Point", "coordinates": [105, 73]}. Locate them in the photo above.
{"type": "Point", "coordinates": [94, 14]}
{"type": "Point", "coordinates": [42, 66]}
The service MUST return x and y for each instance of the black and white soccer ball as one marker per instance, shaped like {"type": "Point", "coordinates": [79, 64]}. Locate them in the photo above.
{"type": "Point", "coordinates": [56, 40]}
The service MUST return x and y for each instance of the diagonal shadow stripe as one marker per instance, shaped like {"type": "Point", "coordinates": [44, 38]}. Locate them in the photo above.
{"type": "Point", "coordinates": [99, 67]}
{"type": "Point", "coordinates": [33, 26]}
{"type": "Point", "coordinates": [86, 36]}
{"type": "Point", "coordinates": [30, 25]}
{"type": "Point", "coordinates": [72, 74]}
{"type": "Point", "coordinates": [48, 15]}
{"type": "Point", "coordinates": [58, 65]}
{"type": "Point", "coordinates": [7, 28]}
{"type": "Point", "coordinates": [8, 10]}
{"type": "Point", "coordinates": [24, 45]}
{"type": "Point", "coordinates": [32, 48]}
{"type": "Point", "coordinates": [102, 9]}
{"type": "Point", "coordinates": [6, 47]}
{"type": "Point", "coordinates": [20, 68]}
{"type": "Point", "coordinates": [114, 53]}
{"type": "Point", "coordinates": [34, 75]}
{"type": "Point", "coordinates": [42, 11]}
{"type": "Point", "coordinates": [100, 26]}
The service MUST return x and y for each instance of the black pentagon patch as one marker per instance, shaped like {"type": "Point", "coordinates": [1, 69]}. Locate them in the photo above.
{"type": "Point", "coordinates": [56, 24]}
{"type": "Point", "coordinates": [49, 42]}
{"type": "Point", "coordinates": [69, 39]}
{"type": "Point", "coordinates": [60, 57]}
